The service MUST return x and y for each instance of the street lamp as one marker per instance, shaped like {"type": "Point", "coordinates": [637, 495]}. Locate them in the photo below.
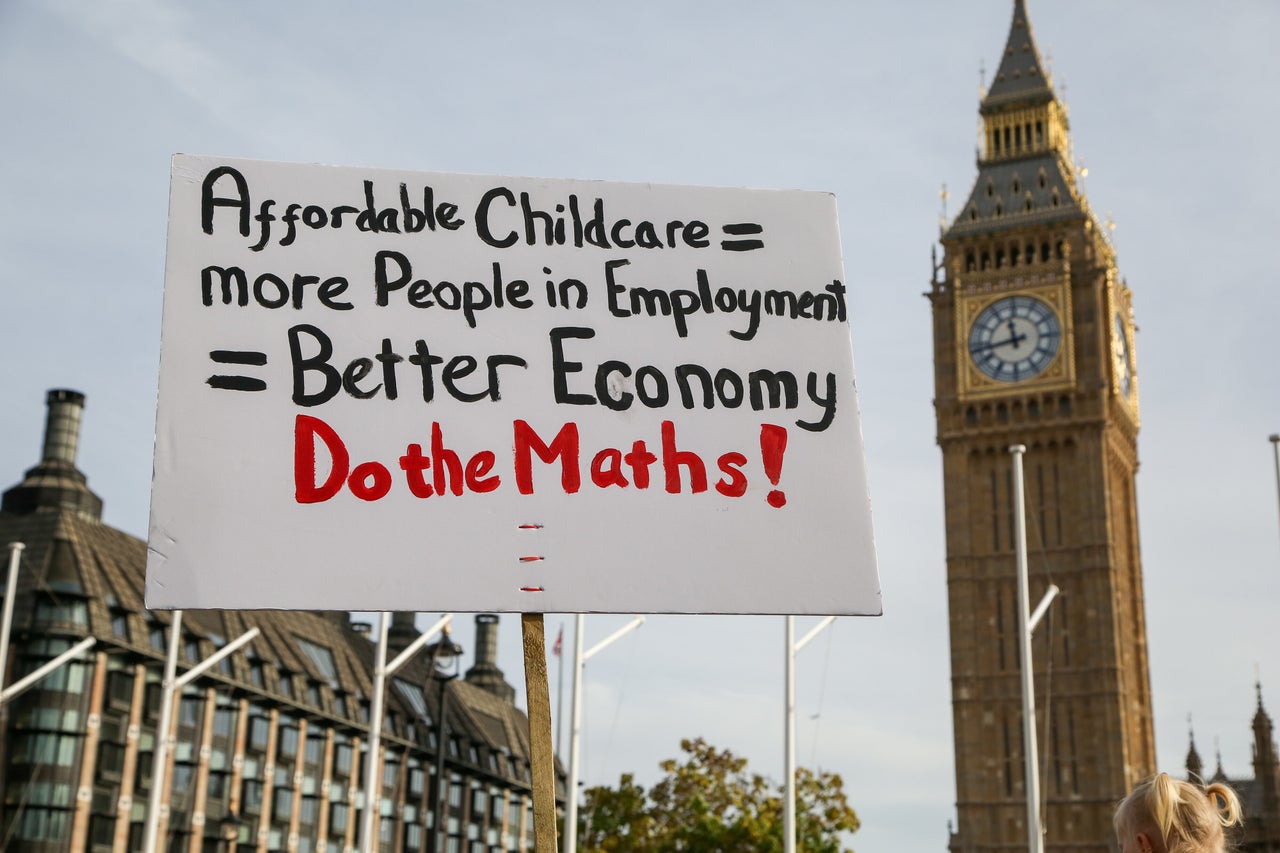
{"type": "Point", "coordinates": [443, 654]}
{"type": "Point", "coordinates": [1275, 450]}
{"type": "Point", "coordinates": [229, 831]}
{"type": "Point", "coordinates": [381, 672]}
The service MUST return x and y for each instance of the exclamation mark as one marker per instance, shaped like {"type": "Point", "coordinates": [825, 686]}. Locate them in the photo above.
{"type": "Point", "coordinates": [773, 444]}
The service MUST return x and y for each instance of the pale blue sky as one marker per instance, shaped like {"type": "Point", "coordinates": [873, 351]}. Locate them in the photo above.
{"type": "Point", "coordinates": [1173, 111]}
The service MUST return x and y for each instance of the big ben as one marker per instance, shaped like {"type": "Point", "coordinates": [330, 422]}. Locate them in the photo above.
{"type": "Point", "coordinates": [1034, 345]}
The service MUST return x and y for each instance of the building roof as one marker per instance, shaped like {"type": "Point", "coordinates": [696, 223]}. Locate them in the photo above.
{"type": "Point", "coordinates": [1029, 191]}
{"type": "Point", "coordinates": [316, 663]}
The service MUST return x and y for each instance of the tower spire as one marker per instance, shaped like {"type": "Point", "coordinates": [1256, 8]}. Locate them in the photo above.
{"type": "Point", "coordinates": [1195, 767]}
{"type": "Point", "coordinates": [1021, 75]}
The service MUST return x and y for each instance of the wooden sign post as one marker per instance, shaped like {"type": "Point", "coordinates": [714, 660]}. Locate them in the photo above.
{"type": "Point", "coordinates": [542, 758]}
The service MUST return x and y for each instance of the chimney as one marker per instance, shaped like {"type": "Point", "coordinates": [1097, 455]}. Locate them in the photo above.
{"type": "Point", "coordinates": [56, 483]}
{"type": "Point", "coordinates": [485, 674]}
{"type": "Point", "coordinates": [402, 631]}
{"type": "Point", "coordinates": [62, 426]}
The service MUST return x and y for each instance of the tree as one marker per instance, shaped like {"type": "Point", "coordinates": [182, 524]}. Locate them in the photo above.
{"type": "Point", "coordinates": [710, 802]}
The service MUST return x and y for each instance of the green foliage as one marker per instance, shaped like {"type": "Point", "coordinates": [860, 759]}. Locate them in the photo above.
{"type": "Point", "coordinates": [709, 803]}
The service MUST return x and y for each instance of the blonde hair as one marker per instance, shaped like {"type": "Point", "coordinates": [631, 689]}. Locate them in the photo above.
{"type": "Point", "coordinates": [1189, 819]}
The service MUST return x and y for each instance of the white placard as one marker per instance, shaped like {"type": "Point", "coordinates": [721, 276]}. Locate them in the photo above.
{"type": "Point", "coordinates": [386, 390]}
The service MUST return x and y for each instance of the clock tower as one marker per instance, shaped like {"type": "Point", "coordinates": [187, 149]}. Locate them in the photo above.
{"type": "Point", "coordinates": [1034, 345]}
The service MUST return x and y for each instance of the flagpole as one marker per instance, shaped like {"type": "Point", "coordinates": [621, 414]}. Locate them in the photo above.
{"type": "Point", "coordinates": [789, 739]}
{"type": "Point", "coordinates": [570, 834]}
{"type": "Point", "coordinates": [580, 658]}
{"type": "Point", "coordinates": [160, 752]}
{"type": "Point", "coordinates": [1031, 773]}
{"type": "Point", "coordinates": [789, 815]}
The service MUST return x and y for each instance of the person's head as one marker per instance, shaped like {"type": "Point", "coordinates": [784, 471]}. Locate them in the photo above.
{"type": "Point", "coordinates": [1165, 815]}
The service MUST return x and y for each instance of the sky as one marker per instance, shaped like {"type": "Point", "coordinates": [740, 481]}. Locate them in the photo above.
{"type": "Point", "coordinates": [1173, 112]}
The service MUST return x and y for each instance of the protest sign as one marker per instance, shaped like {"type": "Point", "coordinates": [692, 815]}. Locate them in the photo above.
{"type": "Point", "coordinates": [387, 390]}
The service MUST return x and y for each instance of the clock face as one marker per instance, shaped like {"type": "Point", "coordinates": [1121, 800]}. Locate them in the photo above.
{"type": "Point", "coordinates": [1120, 355]}
{"type": "Point", "coordinates": [1014, 338]}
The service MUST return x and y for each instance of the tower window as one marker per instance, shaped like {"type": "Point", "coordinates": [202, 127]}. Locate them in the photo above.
{"type": "Point", "coordinates": [999, 252]}
{"type": "Point", "coordinates": [1044, 252]}
{"type": "Point", "coordinates": [970, 263]}
{"type": "Point", "coordinates": [1017, 137]}
{"type": "Point", "coordinates": [1008, 759]}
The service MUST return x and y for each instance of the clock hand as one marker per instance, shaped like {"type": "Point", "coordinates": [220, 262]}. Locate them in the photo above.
{"type": "Point", "coordinates": [1014, 339]}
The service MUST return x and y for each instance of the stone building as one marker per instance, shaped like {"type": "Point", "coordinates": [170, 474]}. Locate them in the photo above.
{"type": "Point", "coordinates": [1033, 331]}
{"type": "Point", "coordinates": [268, 743]}
{"type": "Point", "coordinates": [1259, 795]}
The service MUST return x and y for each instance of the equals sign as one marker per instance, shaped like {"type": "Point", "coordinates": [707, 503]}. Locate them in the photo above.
{"type": "Point", "coordinates": [739, 229]}
{"type": "Point", "coordinates": [237, 383]}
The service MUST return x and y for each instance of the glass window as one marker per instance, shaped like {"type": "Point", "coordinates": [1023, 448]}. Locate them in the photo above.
{"type": "Point", "coordinates": [217, 784]}
{"type": "Point", "coordinates": [412, 694]}
{"type": "Point", "coordinates": [110, 759]}
{"type": "Point", "coordinates": [120, 689]}
{"type": "Point", "coordinates": [321, 656]}
{"type": "Point", "coordinates": [189, 711]}
{"type": "Point", "coordinates": [259, 728]}
{"type": "Point", "coordinates": [37, 824]}
{"type": "Point", "coordinates": [251, 796]}
{"type": "Point", "coordinates": [283, 807]}
{"type": "Point", "coordinates": [45, 748]}
{"type": "Point", "coordinates": [224, 721]}
{"type": "Point", "coordinates": [182, 776]}
{"type": "Point", "coordinates": [315, 747]}
{"type": "Point", "coordinates": [417, 780]}
{"type": "Point", "coordinates": [63, 610]}
{"type": "Point", "coordinates": [342, 759]}
{"type": "Point", "coordinates": [288, 744]}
